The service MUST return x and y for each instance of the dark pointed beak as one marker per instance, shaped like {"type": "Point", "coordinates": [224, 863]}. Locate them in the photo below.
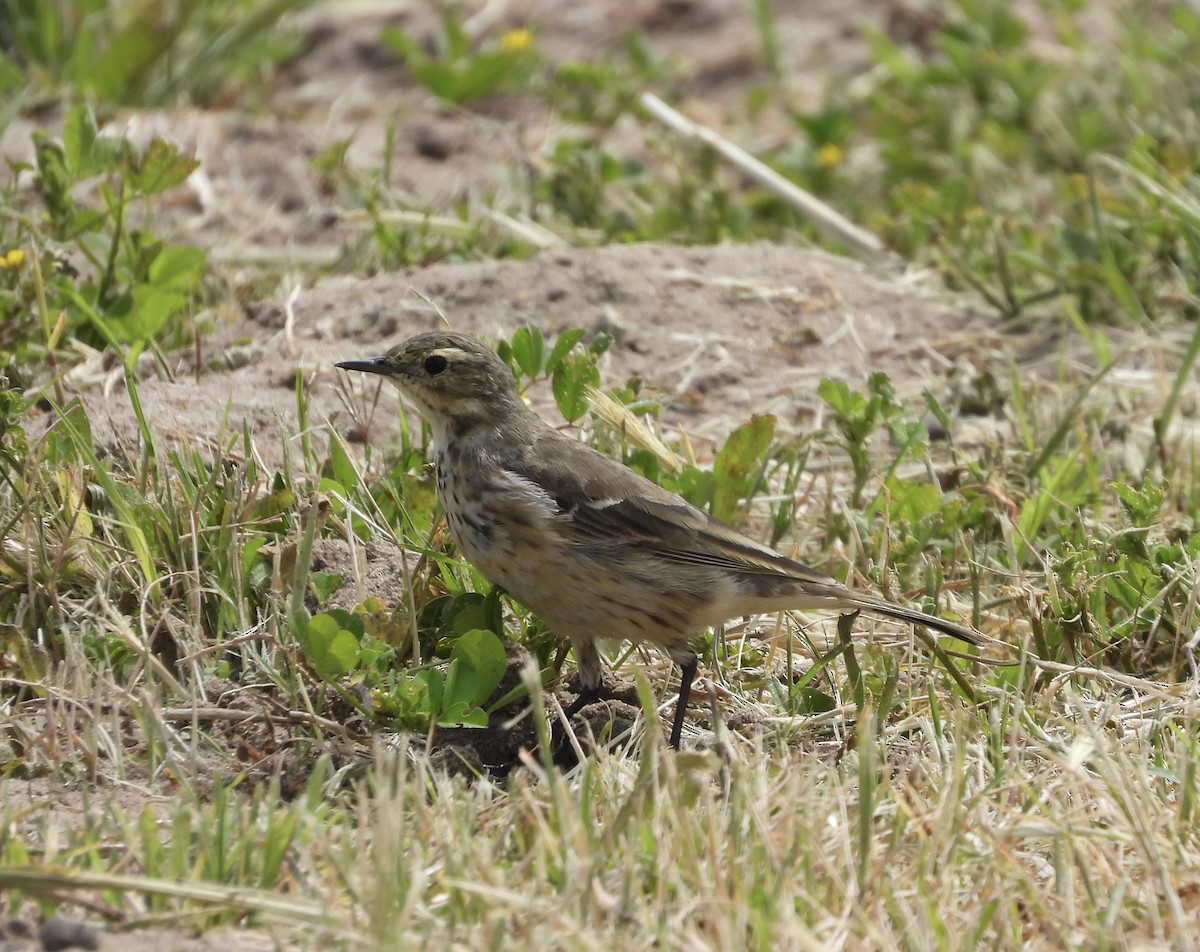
{"type": "Point", "coordinates": [376, 365]}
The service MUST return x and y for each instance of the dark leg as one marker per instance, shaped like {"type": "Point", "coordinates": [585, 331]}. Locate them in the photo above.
{"type": "Point", "coordinates": [582, 700]}
{"type": "Point", "coordinates": [687, 672]}
{"type": "Point", "coordinates": [563, 753]}
{"type": "Point", "coordinates": [591, 674]}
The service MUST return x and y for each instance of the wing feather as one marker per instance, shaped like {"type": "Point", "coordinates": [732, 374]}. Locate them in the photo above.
{"type": "Point", "coordinates": [602, 501]}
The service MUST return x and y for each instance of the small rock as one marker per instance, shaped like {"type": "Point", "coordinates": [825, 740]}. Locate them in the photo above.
{"type": "Point", "coordinates": [457, 761]}
{"type": "Point", "coordinates": [431, 144]}
{"type": "Point", "coordinates": [16, 935]}
{"type": "Point", "coordinates": [59, 933]}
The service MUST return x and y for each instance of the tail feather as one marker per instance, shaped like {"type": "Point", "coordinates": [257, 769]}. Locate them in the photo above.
{"type": "Point", "coordinates": [915, 617]}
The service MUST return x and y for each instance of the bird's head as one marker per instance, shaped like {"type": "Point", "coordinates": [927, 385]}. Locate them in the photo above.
{"type": "Point", "coordinates": [455, 382]}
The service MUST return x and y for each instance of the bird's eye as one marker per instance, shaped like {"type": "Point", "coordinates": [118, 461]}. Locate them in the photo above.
{"type": "Point", "coordinates": [435, 364]}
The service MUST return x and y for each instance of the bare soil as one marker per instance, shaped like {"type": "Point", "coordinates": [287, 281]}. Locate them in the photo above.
{"type": "Point", "coordinates": [718, 333]}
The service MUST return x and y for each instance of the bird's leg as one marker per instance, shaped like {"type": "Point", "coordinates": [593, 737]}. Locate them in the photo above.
{"type": "Point", "coordinates": [687, 671]}
{"type": "Point", "coordinates": [591, 683]}
{"type": "Point", "coordinates": [582, 700]}
{"type": "Point", "coordinates": [591, 674]}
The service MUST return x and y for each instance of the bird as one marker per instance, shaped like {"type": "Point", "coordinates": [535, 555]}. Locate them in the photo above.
{"type": "Point", "coordinates": [596, 550]}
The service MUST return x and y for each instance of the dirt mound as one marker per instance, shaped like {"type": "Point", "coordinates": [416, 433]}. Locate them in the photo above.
{"type": "Point", "coordinates": [718, 333]}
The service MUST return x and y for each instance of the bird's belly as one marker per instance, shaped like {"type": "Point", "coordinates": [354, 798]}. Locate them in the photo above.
{"type": "Point", "coordinates": [581, 590]}
{"type": "Point", "coordinates": [505, 535]}
{"type": "Point", "coordinates": [524, 559]}
{"type": "Point", "coordinates": [582, 593]}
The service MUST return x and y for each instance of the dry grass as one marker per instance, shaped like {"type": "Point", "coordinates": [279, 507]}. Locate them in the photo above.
{"type": "Point", "coordinates": [1061, 814]}
{"type": "Point", "coordinates": [1062, 826]}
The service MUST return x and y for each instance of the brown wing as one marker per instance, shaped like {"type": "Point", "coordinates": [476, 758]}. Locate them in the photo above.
{"type": "Point", "coordinates": [601, 501]}
{"type": "Point", "coordinates": [604, 501]}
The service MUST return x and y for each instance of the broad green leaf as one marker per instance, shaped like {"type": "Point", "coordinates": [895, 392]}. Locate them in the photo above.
{"type": "Point", "coordinates": [250, 554]}
{"type": "Point", "coordinates": [461, 714]}
{"type": "Point", "coordinates": [79, 136]}
{"type": "Point", "coordinates": [912, 501]}
{"type": "Point", "coordinates": [479, 612]}
{"type": "Point", "coordinates": [179, 266]}
{"type": "Point", "coordinates": [562, 346]}
{"type": "Point", "coordinates": [329, 644]}
{"type": "Point", "coordinates": [479, 662]}
{"type": "Point", "coordinates": [434, 686]}
{"type": "Point", "coordinates": [735, 461]}
{"type": "Point", "coordinates": [838, 395]}
{"type": "Point", "coordinates": [527, 346]}
{"type": "Point", "coordinates": [571, 380]}
{"type": "Point", "coordinates": [459, 685]}
{"type": "Point", "coordinates": [341, 465]}
{"type": "Point", "coordinates": [324, 584]}
{"type": "Point", "coordinates": [696, 486]}
{"type": "Point", "coordinates": [161, 167]}
{"type": "Point", "coordinates": [151, 308]}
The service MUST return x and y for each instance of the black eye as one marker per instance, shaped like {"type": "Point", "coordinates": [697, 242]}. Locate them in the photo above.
{"type": "Point", "coordinates": [435, 364]}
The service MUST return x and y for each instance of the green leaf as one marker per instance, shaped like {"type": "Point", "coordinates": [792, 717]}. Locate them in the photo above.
{"type": "Point", "coordinates": [562, 346]}
{"type": "Point", "coordinates": [908, 435]}
{"type": "Point", "coordinates": [180, 267]}
{"type": "Point", "coordinates": [441, 614]}
{"type": "Point", "coordinates": [79, 137]}
{"type": "Point", "coordinates": [72, 429]}
{"type": "Point", "coordinates": [459, 686]}
{"type": "Point", "coordinates": [735, 461]}
{"type": "Point", "coordinates": [457, 43]}
{"type": "Point", "coordinates": [161, 167]}
{"type": "Point", "coordinates": [331, 643]}
{"type": "Point", "coordinates": [435, 687]}
{"type": "Point", "coordinates": [483, 652]}
{"type": "Point", "coordinates": [151, 308]}
{"type": "Point", "coordinates": [460, 714]}
{"type": "Point", "coordinates": [250, 554]}
{"type": "Point", "coordinates": [527, 347]}
{"type": "Point", "coordinates": [478, 662]}
{"type": "Point", "coordinates": [130, 54]}
{"type": "Point", "coordinates": [696, 486]}
{"type": "Point", "coordinates": [938, 411]}
{"type": "Point", "coordinates": [480, 612]}
{"type": "Point", "coordinates": [912, 501]}
{"type": "Point", "coordinates": [1142, 506]}
{"type": "Point", "coordinates": [404, 46]}
{"type": "Point", "coordinates": [122, 496]}
{"type": "Point", "coordinates": [275, 503]}
{"type": "Point", "coordinates": [841, 399]}
{"type": "Point", "coordinates": [342, 466]}
{"type": "Point", "coordinates": [324, 584]}
{"type": "Point", "coordinates": [571, 380]}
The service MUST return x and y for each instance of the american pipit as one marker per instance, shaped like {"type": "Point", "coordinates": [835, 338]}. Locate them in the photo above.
{"type": "Point", "coordinates": [576, 537]}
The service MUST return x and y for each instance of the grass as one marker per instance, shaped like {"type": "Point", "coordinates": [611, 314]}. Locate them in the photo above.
{"type": "Point", "coordinates": [192, 735]}
{"type": "Point", "coordinates": [1040, 828]}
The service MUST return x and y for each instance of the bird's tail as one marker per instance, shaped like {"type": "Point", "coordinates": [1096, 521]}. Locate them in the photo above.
{"type": "Point", "coordinates": [879, 607]}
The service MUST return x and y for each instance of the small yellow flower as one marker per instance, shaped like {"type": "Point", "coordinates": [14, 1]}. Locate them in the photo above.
{"type": "Point", "coordinates": [517, 41]}
{"type": "Point", "coordinates": [12, 259]}
{"type": "Point", "coordinates": [830, 155]}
